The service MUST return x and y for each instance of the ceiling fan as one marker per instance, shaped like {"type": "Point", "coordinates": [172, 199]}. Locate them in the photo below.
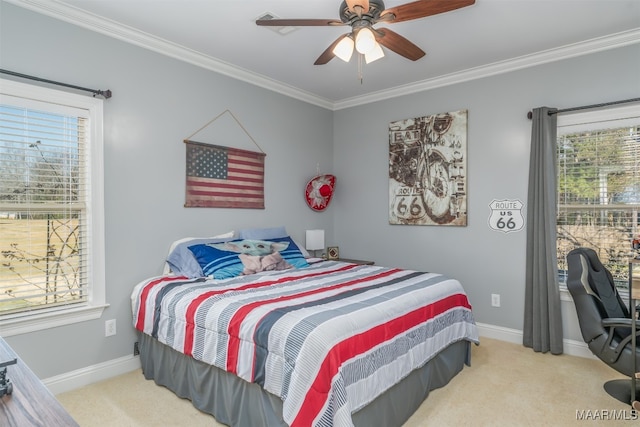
{"type": "Point", "coordinates": [362, 15]}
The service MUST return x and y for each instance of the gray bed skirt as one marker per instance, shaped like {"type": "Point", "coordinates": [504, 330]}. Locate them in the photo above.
{"type": "Point", "coordinates": [235, 402]}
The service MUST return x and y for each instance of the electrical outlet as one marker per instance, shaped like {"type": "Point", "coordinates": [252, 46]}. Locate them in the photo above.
{"type": "Point", "coordinates": [136, 348]}
{"type": "Point", "coordinates": [495, 300]}
{"type": "Point", "coordinates": [109, 327]}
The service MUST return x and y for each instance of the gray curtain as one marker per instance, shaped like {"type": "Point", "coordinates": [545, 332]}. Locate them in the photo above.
{"type": "Point", "coordinates": [542, 317]}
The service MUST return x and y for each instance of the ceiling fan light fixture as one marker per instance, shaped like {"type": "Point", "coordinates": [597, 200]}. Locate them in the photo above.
{"type": "Point", "coordinates": [344, 49]}
{"type": "Point", "coordinates": [374, 54]}
{"type": "Point", "coordinates": [362, 16]}
{"type": "Point", "coordinates": [365, 40]}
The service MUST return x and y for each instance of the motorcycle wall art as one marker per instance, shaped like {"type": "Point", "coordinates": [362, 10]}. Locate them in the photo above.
{"type": "Point", "coordinates": [427, 170]}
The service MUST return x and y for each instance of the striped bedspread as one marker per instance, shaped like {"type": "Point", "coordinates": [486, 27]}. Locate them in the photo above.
{"type": "Point", "coordinates": [326, 339]}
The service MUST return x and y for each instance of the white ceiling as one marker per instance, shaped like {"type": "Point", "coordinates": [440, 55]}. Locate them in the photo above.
{"type": "Point", "coordinates": [488, 37]}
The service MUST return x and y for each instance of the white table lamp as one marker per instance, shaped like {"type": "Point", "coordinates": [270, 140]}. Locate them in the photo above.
{"type": "Point", "coordinates": [314, 240]}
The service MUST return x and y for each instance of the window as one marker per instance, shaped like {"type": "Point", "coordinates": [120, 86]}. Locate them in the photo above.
{"type": "Point", "coordinates": [51, 208]}
{"type": "Point", "coordinates": [599, 187]}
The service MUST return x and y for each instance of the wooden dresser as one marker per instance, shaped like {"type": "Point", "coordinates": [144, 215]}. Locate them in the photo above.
{"type": "Point", "coordinates": [30, 403]}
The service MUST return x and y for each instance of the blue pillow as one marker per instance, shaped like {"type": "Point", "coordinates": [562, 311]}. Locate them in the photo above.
{"type": "Point", "coordinates": [292, 253]}
{"type": "Point", "coordinates": [222, 261]}
{"type": "Point", "coordinates": [217, 262]}
{"type": "Point", "coordinates": [181, 260]}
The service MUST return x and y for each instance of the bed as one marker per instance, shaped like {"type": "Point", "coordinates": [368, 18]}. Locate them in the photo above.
{"type": "Point", "coordinates": [326, 343]}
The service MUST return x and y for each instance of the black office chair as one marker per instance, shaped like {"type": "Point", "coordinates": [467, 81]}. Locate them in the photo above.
{"type": "Point", "coordinates": [604, 319]}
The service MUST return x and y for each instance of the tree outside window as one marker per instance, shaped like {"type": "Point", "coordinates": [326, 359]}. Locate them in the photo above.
{"type": "Point", "coordinates": [599, 192]}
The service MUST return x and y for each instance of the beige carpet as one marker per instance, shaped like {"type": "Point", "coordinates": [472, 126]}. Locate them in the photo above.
{"type": "Point", "coordinates": [506, 385]}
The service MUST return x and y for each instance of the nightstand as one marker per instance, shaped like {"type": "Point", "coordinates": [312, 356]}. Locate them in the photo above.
{"type": "Point", "coordinates": [355, 261]}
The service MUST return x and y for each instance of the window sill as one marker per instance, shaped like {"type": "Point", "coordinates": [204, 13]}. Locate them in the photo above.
{"type": "Point", "coordinates": [565, 295]}
{"type": "Point", "coordinates": [51, 319]}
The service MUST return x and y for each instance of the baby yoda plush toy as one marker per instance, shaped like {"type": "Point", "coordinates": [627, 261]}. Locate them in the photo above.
{"type": "Point", "coordinates": [258, 255]}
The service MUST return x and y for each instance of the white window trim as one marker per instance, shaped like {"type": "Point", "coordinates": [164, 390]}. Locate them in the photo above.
{"type": "Point", "coordinates": [590, 120]}
{"type": "Point", "coordinates": [26, 322]}
{"type": "Point", "coordinates": [584, 120]}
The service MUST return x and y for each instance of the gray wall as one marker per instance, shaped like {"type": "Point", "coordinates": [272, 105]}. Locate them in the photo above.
{"type": "Point", "coordinates": [156, 103]}
{"type": "Point", "coordinates": [159, 101]}
{"type": "Point", "coordinates": [485, 261]}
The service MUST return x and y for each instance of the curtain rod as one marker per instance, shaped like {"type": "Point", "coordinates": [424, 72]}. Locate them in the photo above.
{"type": "Point", "coordinates": [105, 93]}
{"type": "Point", "coordinates": [586, 107]}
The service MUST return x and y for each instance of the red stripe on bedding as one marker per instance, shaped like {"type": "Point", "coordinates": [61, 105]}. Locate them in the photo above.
{"type": "Point", "coordinates": [192, 309]}
{"type": "Point", "coordinates": [145, 294]}
{"type": "Point", "coordinates": [316, 397]}
{"type": "Point", "coordinates": [239, 316]}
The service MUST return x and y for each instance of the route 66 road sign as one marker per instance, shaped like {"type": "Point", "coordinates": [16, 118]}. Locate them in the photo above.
{"type": "Point", "coordinates": [506, 215]}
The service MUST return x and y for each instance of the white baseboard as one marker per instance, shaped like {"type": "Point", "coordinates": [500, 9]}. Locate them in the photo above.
{"type": "Point", "coordinates": [102, 371]}
{"type": "Point", "coordinates": [570, 347]}
{"type": "Point", "coordinates": [92, 374]}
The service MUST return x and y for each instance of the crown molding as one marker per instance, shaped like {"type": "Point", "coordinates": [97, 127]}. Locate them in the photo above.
{"type": "Point", "coordinates": [621, 39]}
{"type": "Point", "coordinates": [110, 28]}
{"type": "Point", "coordinates": [131, 35]}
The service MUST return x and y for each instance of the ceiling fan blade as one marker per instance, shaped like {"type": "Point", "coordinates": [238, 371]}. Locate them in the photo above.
{"type": "Point", "coordinates": [328, 54]}
{"type": "Point", "coordinates": [422, 8]}
{"type": "Point", "coordinates": [297, 22]}
{"type": "Point", "coordinates": [364, 4]}
{"type": "Point", "coordinates": [398, 44]}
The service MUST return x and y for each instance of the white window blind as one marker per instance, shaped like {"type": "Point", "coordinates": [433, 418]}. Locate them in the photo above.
{"type": "Point", "coordinates": [50, 218]}
{"type": "Point", "coordinates": [599, 187]}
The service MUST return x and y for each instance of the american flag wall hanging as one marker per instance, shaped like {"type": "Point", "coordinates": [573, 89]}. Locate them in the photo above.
{"type": "Point", "coordinates": [224, 177]}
